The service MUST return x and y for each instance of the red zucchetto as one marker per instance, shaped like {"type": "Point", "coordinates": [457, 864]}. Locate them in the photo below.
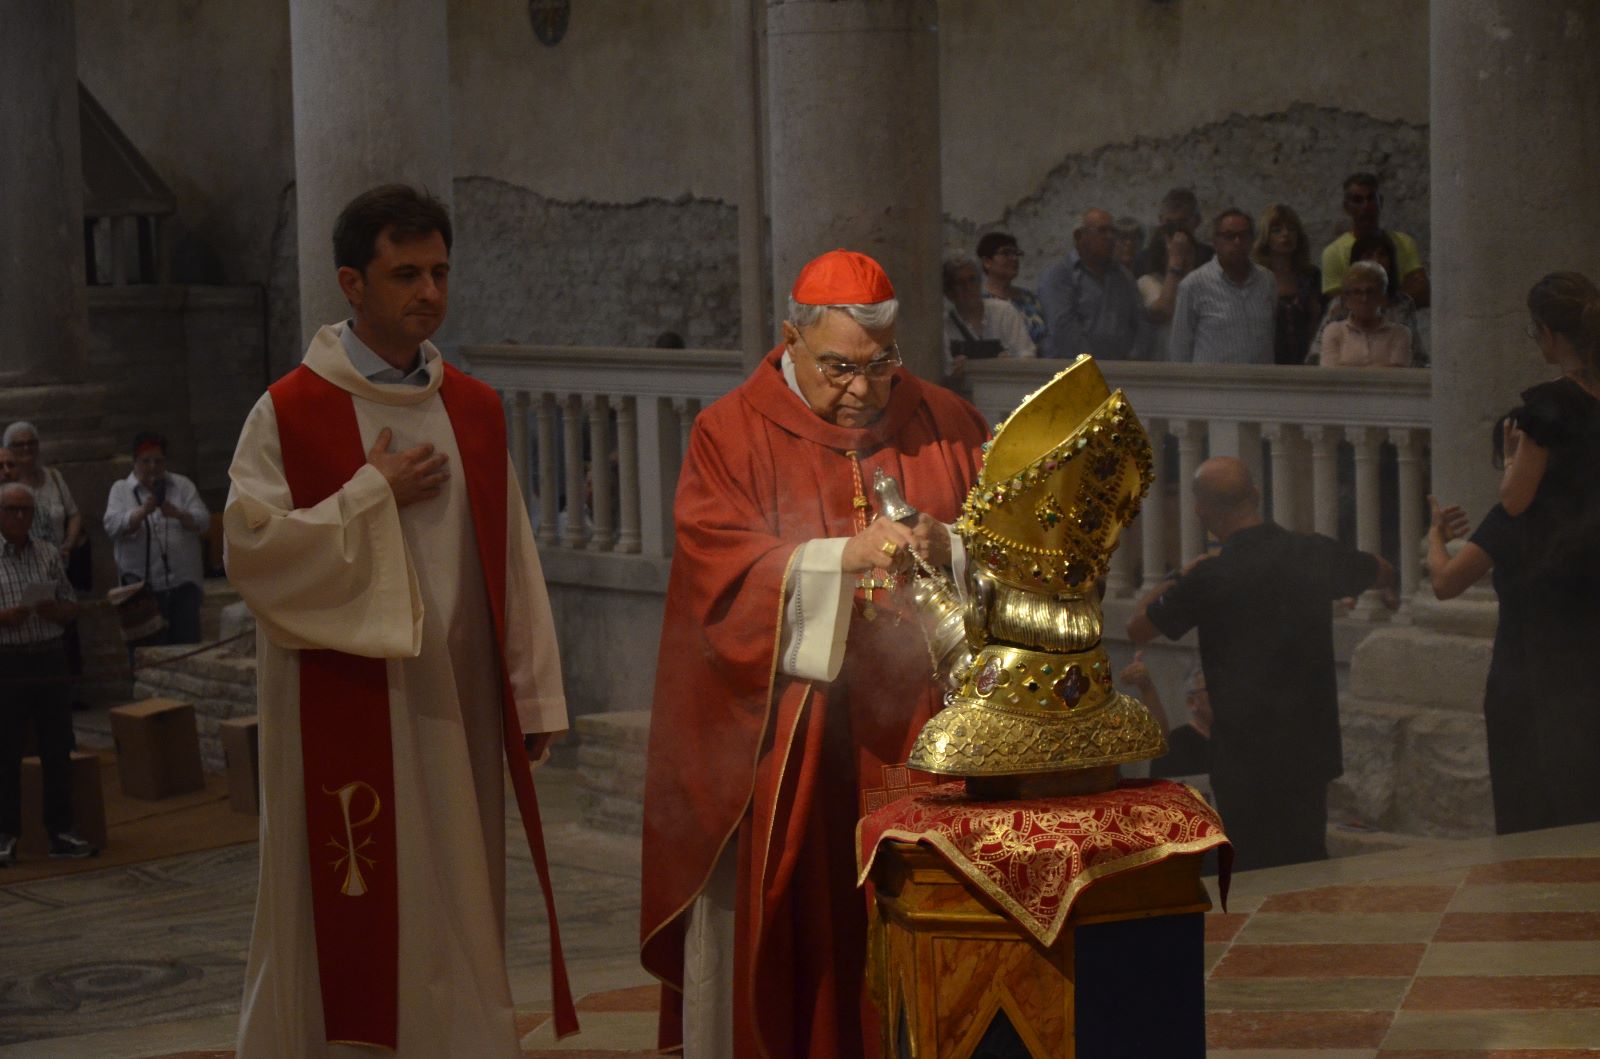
{"type": "Point", "coordinates": [842, 277]}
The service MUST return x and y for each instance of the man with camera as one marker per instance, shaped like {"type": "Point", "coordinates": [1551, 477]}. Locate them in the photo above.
{"type": "Point", "coordinates": [155, 519]}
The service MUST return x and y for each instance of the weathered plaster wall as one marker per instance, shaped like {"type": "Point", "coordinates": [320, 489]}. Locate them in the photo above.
{"type": "Point", "coordinates": [606, 161]}
{"type": "Point", "coordinates": [1048, 80]}
{"type": "Point", "coordinates": [1299, 156]}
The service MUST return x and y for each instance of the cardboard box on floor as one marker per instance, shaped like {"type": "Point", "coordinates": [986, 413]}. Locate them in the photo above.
{"type": "Point", "coordinates": [88, 804]}
{"type": "Point", "coordinates": [158, 748]}
{"type": "Point", "coordinates": [241, 746]}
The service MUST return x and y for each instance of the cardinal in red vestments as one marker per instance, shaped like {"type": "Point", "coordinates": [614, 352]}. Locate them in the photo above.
{"type": "Point", "coordinates": [791, 672]}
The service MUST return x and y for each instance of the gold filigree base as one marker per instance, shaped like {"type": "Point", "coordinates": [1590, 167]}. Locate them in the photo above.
{"type": "Point", "coordinates": [1070, 784]}
{"type": "Point", "coordinates": [974, 738]}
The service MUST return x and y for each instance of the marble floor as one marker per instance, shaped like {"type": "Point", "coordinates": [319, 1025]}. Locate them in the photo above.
{"type": "Point", "coordinates": [1482, 948]}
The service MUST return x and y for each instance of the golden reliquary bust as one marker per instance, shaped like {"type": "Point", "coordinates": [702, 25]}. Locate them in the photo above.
{"type": "Point", "coordinates": [1033, 709]}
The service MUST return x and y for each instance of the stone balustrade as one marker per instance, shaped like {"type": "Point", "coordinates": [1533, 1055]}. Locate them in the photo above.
{"type": "Point", "coordinates": [1328, 445]}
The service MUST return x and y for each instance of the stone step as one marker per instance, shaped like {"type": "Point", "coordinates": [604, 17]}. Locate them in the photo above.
{"type": "Point", "coordinates": [611, 761]}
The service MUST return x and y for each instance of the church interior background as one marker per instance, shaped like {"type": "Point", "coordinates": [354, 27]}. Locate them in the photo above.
{"type": "Point", "coordinates": [617, 170]}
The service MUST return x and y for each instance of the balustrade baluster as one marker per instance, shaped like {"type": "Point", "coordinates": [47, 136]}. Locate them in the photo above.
{"type": "Point", "coordinates": [598, 408]}
{"type": "Point", "coordinates": [517, 408]}
{"type": "Point", "coordinates": [1285, 482]}
{"type": "Point", "coordinates": [1190, 435]}
{"type": "Point", "coordinates": [574, 532]}
{"type": "Point", "coordinates": [628, 537]}
{"type": "Point", "coordinates": [1408, 455]}
{"type": "Point", "coordinates": [686, 408]}
{"type": "Point", "coordinates": [1368, 443]}
{"type": "Point", "coordinates": [549, 479]}
{"type": "Point", "coordinates": [1325, 479]}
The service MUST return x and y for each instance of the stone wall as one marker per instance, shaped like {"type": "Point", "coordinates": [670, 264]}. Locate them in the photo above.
{"type": "Point", "coordinates": [1299, 156]}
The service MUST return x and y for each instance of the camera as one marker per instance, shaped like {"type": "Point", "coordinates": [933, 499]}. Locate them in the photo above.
{"type": "Point", "coordinates": [158, 489]}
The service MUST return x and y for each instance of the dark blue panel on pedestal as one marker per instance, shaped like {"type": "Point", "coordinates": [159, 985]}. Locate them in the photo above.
{"type": "Point", "coordinates": [1141, 988]}
{"type": "Point", "coordinates": [1001, 1040]}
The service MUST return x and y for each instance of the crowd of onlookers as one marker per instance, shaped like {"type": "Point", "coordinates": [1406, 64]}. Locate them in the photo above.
{"type": "Point", "coordinates": [155, 520]}
{"type": "Point", "coordinates": [1253, 294]}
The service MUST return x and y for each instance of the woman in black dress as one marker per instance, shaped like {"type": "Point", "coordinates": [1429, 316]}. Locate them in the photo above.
{"type": "Point", "coordinates": [1542, 702]}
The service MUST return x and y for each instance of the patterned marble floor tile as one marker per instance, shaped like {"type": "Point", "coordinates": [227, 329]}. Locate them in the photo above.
{"type": "Point", "coordinates": [639, 998]}
{"type": "Point", "coordinates": [1539, 896]}
{"type": "Point", "coordinates": [1537, 869]}
{"type": "Point", "coordinates": [1503, 992]}
{"type": "Point", "coordinates": [1296, 1029]}
{"type": "Point", "coordinates": [1222, 926]}
{"type": "Point", "coordinates": [1511, 957]}
{"type": "Point", "coordinates": [1319, 961]}
{"type": "Point", "coordinates": [1494, 1029]}
{"type": "Point", "coordinates": [1519, 926]}
{"type": "Point", "coordinates": [1305, 994]}
{"type": "Point", "coordinates": [1292, 1053]}
{"type": "Point", "coordinates": [1362, 899]}
{"type": "Point", "coordinates": [620, 1030]}
{"type": "Point", "coordinates": [1493, 1053]}
{"type": "Point", "coordinates": [1278, 927]}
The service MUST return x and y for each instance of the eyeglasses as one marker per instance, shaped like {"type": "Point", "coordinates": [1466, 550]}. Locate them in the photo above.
{"type": "Point", "coordinates": [842, 373]}
{"type": "Point", "coordinates": [1360, 293]}
{"type": "Point", "coordinates": [24, 446]}
{"type": "Point", "coordinates": [1230, 237]}
{"type": "Point", "coordinates": [17, 509]}
{"type": "Point", "coordinates": [1104, 229]}
{"type": "Point", "coordinates": [1009, 251]}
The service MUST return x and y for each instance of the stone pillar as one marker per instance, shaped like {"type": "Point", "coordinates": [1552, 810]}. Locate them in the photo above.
{"type": "Point", "coordinates": [371, 106]}
{"type": "Point", "coordinates": [854, 126]}
{"type": "Point", "coordinates": [1514, 107]}
{"type": "Point", "coordinates": [1515, 195]}
{"type": "Point", "coordinates": [756, 333]}
{"type": "Point", "coordinates": [43, 314]}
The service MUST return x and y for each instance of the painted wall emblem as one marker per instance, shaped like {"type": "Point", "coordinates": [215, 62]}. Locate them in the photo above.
{"type": "Point", "coordinates": [549, 18]}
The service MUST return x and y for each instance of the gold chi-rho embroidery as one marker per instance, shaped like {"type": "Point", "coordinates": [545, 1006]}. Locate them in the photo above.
{"type": "Point", "coordinates": [350, 855]}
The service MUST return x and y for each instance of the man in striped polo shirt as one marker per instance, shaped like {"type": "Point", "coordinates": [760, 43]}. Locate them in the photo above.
{"type": "Point", "coordinates": [35, 602]}
{"type": "Point", "coordinates": [1224, 312]}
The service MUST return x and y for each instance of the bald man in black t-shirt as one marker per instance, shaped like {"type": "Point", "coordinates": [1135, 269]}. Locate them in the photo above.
{"type": "Point", "coordinates": [1263, 606]}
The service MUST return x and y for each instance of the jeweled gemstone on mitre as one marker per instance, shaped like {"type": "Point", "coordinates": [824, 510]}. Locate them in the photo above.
{"type": "Point", "coordinates": [1072, 686]}
{"type": "Point", "coordinates": [989, 679]}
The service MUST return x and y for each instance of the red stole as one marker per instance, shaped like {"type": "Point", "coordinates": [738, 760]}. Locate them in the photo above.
{"type": "Point", "coordinates": [344, 719]}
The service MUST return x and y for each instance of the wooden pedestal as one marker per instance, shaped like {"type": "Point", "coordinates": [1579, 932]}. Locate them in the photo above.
{"type": "Point", "coordinates": [955, 978]}
{"type": "Point", "coordinates": [241, 748]}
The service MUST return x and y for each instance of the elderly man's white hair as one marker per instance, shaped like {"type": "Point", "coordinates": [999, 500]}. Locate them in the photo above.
{"type": "Point", "coordinates": [19, 487]}
{"type": "Point", "coordinates": [21, 426]}
{"type": "Point", "coordinates": [874, 316]}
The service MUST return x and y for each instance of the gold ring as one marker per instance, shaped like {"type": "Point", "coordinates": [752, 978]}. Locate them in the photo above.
{"type": "Point", "coordinates": [889, 547]}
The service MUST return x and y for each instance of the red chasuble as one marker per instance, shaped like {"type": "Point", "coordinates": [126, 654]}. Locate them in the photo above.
{"type": "Point", "coordinates": [344, 718]}
{"type": "Point", "coordinates": [741, 754]}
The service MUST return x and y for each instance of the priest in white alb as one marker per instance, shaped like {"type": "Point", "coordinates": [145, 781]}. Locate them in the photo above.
{"type": "Point", "coordinates": [406, 658]}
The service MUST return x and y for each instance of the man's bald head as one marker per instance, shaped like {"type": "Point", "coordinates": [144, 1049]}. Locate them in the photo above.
{"type": "Point", "coordinates": [1095, 237]}
{"type": "Point", "coordinates": [1225, 496]}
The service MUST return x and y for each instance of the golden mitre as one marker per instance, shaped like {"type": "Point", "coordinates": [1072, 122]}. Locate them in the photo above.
{"type": "Point", "coordinates": [1062, 477]}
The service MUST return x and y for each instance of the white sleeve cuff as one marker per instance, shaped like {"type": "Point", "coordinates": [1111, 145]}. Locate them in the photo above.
{"type": "Point", "coordinates": [816, 614]}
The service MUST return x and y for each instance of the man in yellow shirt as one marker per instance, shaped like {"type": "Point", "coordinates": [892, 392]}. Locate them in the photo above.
{"type": "Point", "coordinates": [1363, 202]}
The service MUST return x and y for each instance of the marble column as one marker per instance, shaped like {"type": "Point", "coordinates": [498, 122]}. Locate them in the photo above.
{"type": "Point", "coordinates": [371, 106]}
{"type": "Point", "coordinates": [1515, 178]}
{"type": "Point", "coordinates": [756, 333]}
{"type": "Point", "coordinates": [854, 123]}
{"type": "Point", "coordinates": [43, 314]}
{"type": "Point", "coordinates": [1515, 194]}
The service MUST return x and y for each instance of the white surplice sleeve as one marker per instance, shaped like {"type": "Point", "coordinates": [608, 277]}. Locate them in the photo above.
{"type": "Point", "coordinates": [334, 576]}
{"type": "Point", "coordinates": [816, 611]}
{"type": "Point", "coordinates": [532, 655]}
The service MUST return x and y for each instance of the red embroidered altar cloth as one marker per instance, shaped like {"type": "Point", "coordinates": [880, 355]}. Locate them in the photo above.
{"type": "Point", "coordinates": [1034, 857]}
